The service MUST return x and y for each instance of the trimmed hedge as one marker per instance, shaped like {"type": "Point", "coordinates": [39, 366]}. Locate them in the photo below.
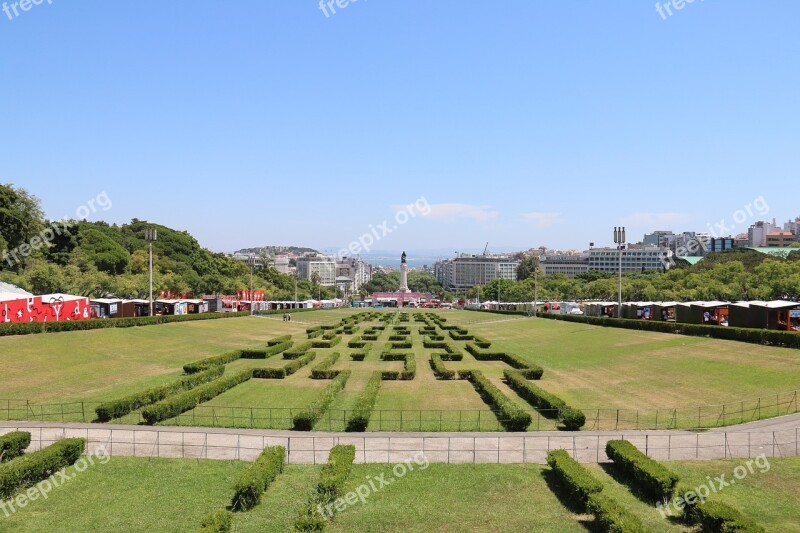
{"type": "Point", "coordinates": [287, 370]}
{"type": "Point", "coordinates": [326, 343]}
{"type": "Point", "coordinates": [406, 345]}
{"type": "Point", "coordinates": [439, 370]}
{"type": "Point", "coordinates": [217, 522]}
{"type": "Point", "coordinates": [531, 370]}
{"type": "Point", "coordinates": [362, 353]}
{"type": "Point", "coordinates": [573, 477]}
{"type": "Point", "coordinates": [118, 408]}
{"type": "Point", "coordinates": [409, 371]}
{"type": "Point", "coordinates": [305, 420]}
{"type": "Point", "coordinates": [652, 478]}
{"type": "Point", "coordinates": [358, 342]}
{"type": "Point", "coordinates": [323, 370]}
{"type": "Point", "coordinates": [255, 481]}
{"type": "Point", "coordinates": [457, 336]}
{"type": "Point", "coordinates": [217, 360]}
{"type": "Point", "coordinates": [362, 410]}
{"type": "Point", "coordinates": [32, 468]}
{"type": "Point", "coordinates": [279, 340]}
{"type": "Point", "coordinates": [330, 487]}
{"type": "Point", "coordinates": [611, 517]}
{"type": "Point", "coordinates": [186, 401]}
{"type": "Point", "coordinates": [264, 353]}
{"type": "Point", "coordinates": [550, 405]}
{"type": "Point", "coordinates": [513, 417]}
{"type": "Point", "coordinates": [787, 339]}
{"type": "Point", "coordinates": [28, 328]}
{"type": "Point", "coordinates": [13, 445]}
{"type": "Point", "coordinates": [717, 517]}
{"type": "Point", "coordinates": [480, 342]}
{"type": "Point", "coordinates": [298, 351]}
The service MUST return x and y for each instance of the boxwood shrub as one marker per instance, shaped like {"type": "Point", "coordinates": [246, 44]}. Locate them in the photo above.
{"type": "Point", "coordinates": [323, 370]}
{"type": "Point", "coordinates": [513, 417]}
{"type": "Point", "coordinates": [217, 522]}
{"type": "Point", "coordinates": [26, 471]}
{"type": "Point", "coordinates": [409, 371]}
{"type": "Point", "coordinates": [279, 340]}
{"type": "Point", "coordinates": [612, 517]}
{"type": "Point", "coordinates": [256, 479]}
{"type": "Point", "coordinates": [13, 445]}
{"type": "Point", "coordinates": [305, 420]}
{"type": "Point", "coordinates": [287, 370]}
{"type": "Point", "coordinates": [362, 410]}
{"type": "Point", "coordinates": [118, 408]}
{"type": "Point", "coordinates": [576, 480]}
{"type": "Point", "coordinates": [439, 370]}
{"type": "Point", "coordinates": [28, 328]}
{"type": "Point", "coordinates": [358, 342]}
{"type": "Point", "coordinates": [718, 517]}
{"type": "Point", "coordinates": [788, 339]}
{"type": "Point", "coordinates": [330, 487]}
{"type": "Point", "coordinates": [548, 404]}
{"type": "Point", "coordinates": [651, 477]}
{"type": "Point", "coordinates": [532, 371]}
{"type": "Point", "coordinates": [217, 360]}
{"type": "Point", "coordinates": [326, 343]}
{"type": "Point", "coordinates": [180, 403]}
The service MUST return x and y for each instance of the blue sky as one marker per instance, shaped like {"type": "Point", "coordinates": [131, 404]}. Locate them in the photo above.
{"type": "Point", "coordinates": [520, 123]}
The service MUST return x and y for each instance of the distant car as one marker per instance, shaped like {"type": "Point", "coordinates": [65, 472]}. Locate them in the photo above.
{"type": "Point", "coordinates": [576, 311]}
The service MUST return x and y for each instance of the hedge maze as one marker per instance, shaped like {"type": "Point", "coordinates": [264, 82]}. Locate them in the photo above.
{"type": "Point", "coordinates": [354, 355]}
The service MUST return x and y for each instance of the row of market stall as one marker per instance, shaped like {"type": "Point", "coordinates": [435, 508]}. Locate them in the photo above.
{"type": "Point", "coordinates": [775, 315]}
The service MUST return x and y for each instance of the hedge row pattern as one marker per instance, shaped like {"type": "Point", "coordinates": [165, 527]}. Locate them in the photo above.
{"type": "Point", "coordinates": [180, 403]}
{"type": "Point", "coordinates": [583, 487]}
{"type": "Point", "coordinates": [362, 410]}
{"type": "Point", "coordinates": [786, 339]}
{"type": "Point", "coordinates": [323, 370]}
{"type": "Point", "coordinates": [287, 370]}
{"type": "Point", "coordinates": [29, 328]}
{"type": "Point", "coordinates": [217, 360]}
{"type": "Point", "coordinates": [651, 477]}
{"type": "Point", "coordinates": [439, 370]}
{"type": "Point", "coordinates": [298, 351]}
{"type": "Point", "coordinates": [513, 417]}
{"type": "Point", "coordinates": [330, 487]}
{"type": "Point", "coordinates": [269, 351]}
{"type": "Point", "coordinates": [550, 405]}
{"type": "Point", "coordinates": [254, 482]}
{"type": "Point", "coordinates": [32, 468]}
{"type": "Point", "coordinates": [305, 420]}
{"type": "Point", "coordinates": [13, 444]}
{"type": "Point", "coordinates": [717, 517]}
{"type": "Point", "coordinates": [530, 370]}
{"type": "Point", "coordinates": [279, 340]}
{"type": "Point", "coordinates": [326, 343]}
{"type": "Point", "coordinates": [409, 371]}
{"type": "Point", "coordinates": [118, 408]}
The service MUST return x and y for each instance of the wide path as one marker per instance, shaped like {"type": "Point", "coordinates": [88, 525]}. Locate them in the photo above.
{"type": "Point", "coordinates": [774, 438]}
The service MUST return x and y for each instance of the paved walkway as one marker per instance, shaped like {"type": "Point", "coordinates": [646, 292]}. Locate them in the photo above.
{"type": "Point", "coordinates": [773, 438]}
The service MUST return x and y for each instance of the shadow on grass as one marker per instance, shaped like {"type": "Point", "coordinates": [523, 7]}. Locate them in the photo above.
{"type": "Point", "coordinates": [569, 502]}
{"type": "Point", "coordinates": [627, 482]}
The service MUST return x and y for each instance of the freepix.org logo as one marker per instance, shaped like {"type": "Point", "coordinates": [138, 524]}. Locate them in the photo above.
{"type": "Point", "coordinates": [15, 9]}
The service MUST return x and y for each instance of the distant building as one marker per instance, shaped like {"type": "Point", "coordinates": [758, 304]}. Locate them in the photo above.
{"type": "Point", "coordinates": [568, 264]}
{"type": "Point", "coordinates": [663, 239]}
{"type": "Point", "coordinates": [323, 266]}
{"type": "Point", "coordinates": [780, 239]}
{"type": "Point", "coordinates": [634, 259]}
{"type": "Point", "coordinates": [282, 264]}
{"type": "Point", "coordinates": [793, 227]}
{"type": "Point", "coordinates": [466, 271]}
{"type": "Point", "coordinates": [355, 270]}
{"type": "Point", "coordinates": [757, 233]}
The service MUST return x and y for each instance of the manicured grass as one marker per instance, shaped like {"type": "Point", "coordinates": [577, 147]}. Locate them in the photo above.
{"type": "Point", "coordinates": [589, 367]}
{"type": "Point", "coordinates": [281, 505]}
{"type": "Point", "coordinates": [771, 498]}
{"type": "Point", "coordinates": [130, 494]}
{"type": "Point", "coordinates": [457, 498]}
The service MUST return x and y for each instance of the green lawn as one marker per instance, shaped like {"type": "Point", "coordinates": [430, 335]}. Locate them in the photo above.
{"type": "Point", "coordinates": [132, 495]}
{"type": "Point", "coordinates": [144, 495]}
{"type": "Point", "coordinates": [590, 367]}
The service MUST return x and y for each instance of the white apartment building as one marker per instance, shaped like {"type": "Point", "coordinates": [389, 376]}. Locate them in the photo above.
{"type": "Point", "coordinates": [357, 271]}
{"type": "Point", "coordinates": [634, 259]}
{"type": "Point", "coordinates": [569, 265]}
{"type": "Point", "coordinates": [322, 265]}
{"type": "Point", "coordinates": [758, 232]}
{"type": "Point", "coordinates": [466, 271]}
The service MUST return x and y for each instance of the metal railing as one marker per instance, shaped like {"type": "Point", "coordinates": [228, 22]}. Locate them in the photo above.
{"type": "Point", "coordinates": [616, 419]}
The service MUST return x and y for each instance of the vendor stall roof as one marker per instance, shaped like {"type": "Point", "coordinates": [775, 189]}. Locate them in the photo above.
{"type": "Point", "coordinates": [778, 304]}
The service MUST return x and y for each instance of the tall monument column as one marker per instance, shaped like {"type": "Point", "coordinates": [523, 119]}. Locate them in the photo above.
{"type": "Point", "coordinates": [403, 274]}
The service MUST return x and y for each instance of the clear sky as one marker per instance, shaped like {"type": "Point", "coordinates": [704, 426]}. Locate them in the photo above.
{"type": "Point", "coordinates": [521, 123]}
